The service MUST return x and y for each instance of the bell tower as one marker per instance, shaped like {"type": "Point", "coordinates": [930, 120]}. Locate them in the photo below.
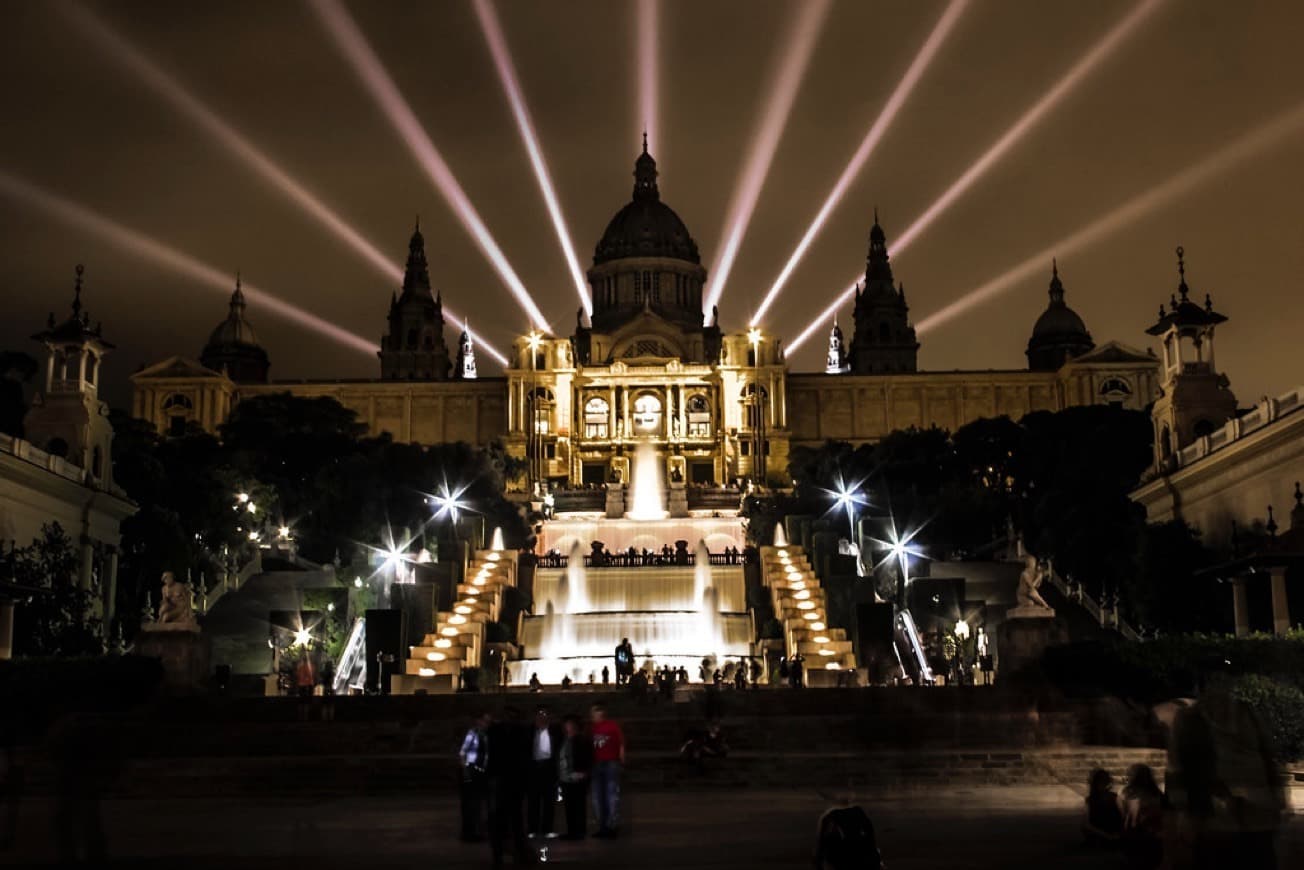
{"type": "Point", "coordinates": [465, 355]}
{"type": "Point", "coordinates": [413, 349]}
{"type": "Point", "coordinates": [1194, 397]}
{"type": "Point", "coordinates": [884, 341]}
{"type": "Point", "coordinates": [68, 419]}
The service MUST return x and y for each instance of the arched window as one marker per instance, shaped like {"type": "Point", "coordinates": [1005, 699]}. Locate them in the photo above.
{"type": "Point", "coordinates": [647, 414]}
{"type": "Point", "coordinates": [597, 418]}
{"type": "Point", "coordinates": [177, 401]}
{"type": "Point", "coordinates": [178, 409]}
{"type": "Point", "coordinates": [1115, 391]}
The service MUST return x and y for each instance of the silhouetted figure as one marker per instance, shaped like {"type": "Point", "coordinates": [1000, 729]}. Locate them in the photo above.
{"type": "Point", "coordinates": [756, 673]}
{"type": "Point", "coordinates": [87, 762]}
{"type": "Point", "coordinates": [740, 677]}
{"type": "Point", "coordinates": [1103, 824]}
{"type": "Point", "coordinates": [506, 772]}
{"type": "Point", "coordinates": [545, 742]}
{"type": "Point", "coordinates": [784, 675]}
{"type": "Point", "coordinates": [608, 761]}
{"type": "Point", "coordinates": [797, 671]}
{"type": "Point", "coordinates": [700, 745]}
{"type": "Point", "coordinates": [845, 840]}
{"type": "Point", "coordinates": [1142, 805]}
{"type": "Point", "coordinates": [565, 682]}
{"type": "Point", "coordinates": [606, 676]}
{"type": "Point", "coordinates": [624, 661]}
{"type": "Point", "coordinates": [574, 766]}
{"type": "Point", "coordinates": [683, 675]}
{"type": "Point", "coordinates": [535, 685]}
{"type": "Point", "coordinates": [473, 754]}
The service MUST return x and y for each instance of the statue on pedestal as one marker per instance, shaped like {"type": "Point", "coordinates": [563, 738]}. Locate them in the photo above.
{"type": "Point", "coordinates": [1028, 598]}
{"type": "Point", "coordinates": [174, 608]}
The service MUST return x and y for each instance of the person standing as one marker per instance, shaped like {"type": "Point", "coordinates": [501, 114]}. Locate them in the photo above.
{"type": "Point", "coordinates": [472, 755]}
{"type": "Point", "coordinates": [624, 661]}
{"type": "Point", "coordinates": [608, 760]}
{"type": "Point", "coordinates": [574, 764]}
{"type": "Point", "coordinates": [506, 767]}
{"type": "Point", "coordinates": [545, 743]}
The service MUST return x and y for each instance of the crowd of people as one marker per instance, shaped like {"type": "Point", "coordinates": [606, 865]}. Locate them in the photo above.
{"type": "Point", "coordinates": [513, 774]}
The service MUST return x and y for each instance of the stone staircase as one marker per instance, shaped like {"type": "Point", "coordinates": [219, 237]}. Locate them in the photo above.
{"type": "Point", "coordinates": [801, 607]}
{"type": "Point", "coordinates": [458, 639]}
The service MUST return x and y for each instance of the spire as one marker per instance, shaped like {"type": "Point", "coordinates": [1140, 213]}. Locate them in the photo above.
{"type": "Point", "coordinates": [466, 354]}
{"type": "Point", "coordinates": [237, 297]}
{"type": "Point", "coordinates": [76, 293]}
{"type": "Point", "coordinates": [877, 267]}
{"type": "Point", "coordinates": [645, 175]}
{"type": "Point", "coordinates": [1056, 289]}
{"type": "Point", "coordinates": [416, 275]}
{"type": "Point", "coordinates": [1181, 273]}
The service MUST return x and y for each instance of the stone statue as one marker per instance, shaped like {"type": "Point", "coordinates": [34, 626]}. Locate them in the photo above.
{"type": "Point", "coordinates": [174, 609]}
{"type": "Point", "coordinates": [1029, 581]}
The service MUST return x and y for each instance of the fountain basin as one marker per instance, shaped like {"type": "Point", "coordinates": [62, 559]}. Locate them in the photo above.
{"type": "Point", "coordinates": [644, 589]}
{"type": "Point", "coordinates": [653, 635]}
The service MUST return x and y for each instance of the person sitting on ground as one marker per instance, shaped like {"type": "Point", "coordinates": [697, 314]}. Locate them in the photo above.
{"type": "Point", "coordinates": [1104, 822]}
{"type": "Point", "coordinates": [1142, 804]}
{"type": "Point", "coordinates": [845, 840]}
{"type": "Point", "coordinates": [535, 685]}
{"type": "Point", "coordinates": [700, 745]}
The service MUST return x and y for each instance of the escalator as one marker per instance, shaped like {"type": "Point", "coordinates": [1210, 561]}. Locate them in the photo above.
{"type": "Point", "coordinates": [909, 651]}
{"type": "Point", "coordinates": [351, 673]}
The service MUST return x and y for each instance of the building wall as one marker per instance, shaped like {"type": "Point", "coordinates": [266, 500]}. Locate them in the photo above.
{"type": "Point", "coordinates": [37, 489]}
{"type": "Point", "coordinates": [1234, 473]}
{"type": "Point", "coordinates": [422, 412]}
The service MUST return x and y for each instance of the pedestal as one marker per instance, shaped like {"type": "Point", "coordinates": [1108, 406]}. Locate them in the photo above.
{"type": "Point", "coordinates": [184, 652]}
{"type": "Point", "coordinates": [615, 501]}
{"type": "Point", "coordinates": [678, 500]}
{"type": "Point", "coordinates": [1024, 636]}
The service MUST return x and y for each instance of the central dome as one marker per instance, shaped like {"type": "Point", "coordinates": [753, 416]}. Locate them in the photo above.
{"type": "Point", "coordinates": [646, 227]}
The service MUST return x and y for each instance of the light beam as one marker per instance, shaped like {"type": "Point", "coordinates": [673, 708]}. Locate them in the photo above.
{"type": "Point", "coordinates": [166, 86]}
{"type": "Point", "coordinates": [1224, 159]}
{"type": "Point", "coordinates": [876, 132]}
{"type": "Point", "coordinates": [648, 41]}
{"type": "Point", "coordinates": [1086, 64]}
{"type": "Point", "coordinates": [355, 48]}
{"type": "Point", "coordinates": [155, 251]}
{"type": "Point", "coordinates": [493, 34]}
{"type": "Point", "coordinates": [806, 29]}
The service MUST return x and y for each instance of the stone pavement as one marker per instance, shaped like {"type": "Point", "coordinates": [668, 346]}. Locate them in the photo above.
{"type": "Point", "coordinates": [953, 828]}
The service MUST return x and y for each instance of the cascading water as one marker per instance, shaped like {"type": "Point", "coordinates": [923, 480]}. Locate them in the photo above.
{"type": "Point", "coordinates": [577, 582]}
{"type": "Point", "coordinates": [496, 541]}
{"type": "Point", "coordinates": [780, 539]}
{"type": "Point", "coordinates": [646, 488]}
{"type": "Point", "coordinates": [701, 573]}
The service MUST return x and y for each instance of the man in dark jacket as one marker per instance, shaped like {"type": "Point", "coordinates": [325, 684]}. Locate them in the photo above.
{"type": "Point", "coordinates": [545, 746]}
{"type": "Point", "coordinates": [507, 771]}
{"type": "Point", "coordinates": [574, 763]}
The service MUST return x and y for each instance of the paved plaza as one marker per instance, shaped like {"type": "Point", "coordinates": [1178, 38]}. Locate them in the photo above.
{"type": "Point", "coordinates": [983, 827]}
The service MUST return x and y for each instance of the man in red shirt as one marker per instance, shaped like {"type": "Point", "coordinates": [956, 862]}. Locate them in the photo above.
{"type": "Point", "coordinates": [608, 759]}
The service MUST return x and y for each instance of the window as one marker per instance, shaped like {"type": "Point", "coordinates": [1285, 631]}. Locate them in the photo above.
{"type": "Point", "coordinates": [597, 418]}
{"type": "Point", "coordinates": [1115, 391]}
{"type": "Point", "coordinates": [699, 416]}
{"type": "Point", "coordinates": [656, 287]}
{"type": "Point", "coordinates": [541, 403]}
{"type": "Point", "coordinates": [647, 414]}
{"type": "Point", "coordinates": [176, 401]}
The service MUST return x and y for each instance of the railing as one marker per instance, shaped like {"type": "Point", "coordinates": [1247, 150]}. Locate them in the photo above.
{"type": "Point", "coordinates": [641, 560]}
{"type": "Point", "coordinates": [1264, 413]}
{"type": "Point", "coordinates": [1107, 616]}
{"type": "Point", "coordinates": [234, 583]}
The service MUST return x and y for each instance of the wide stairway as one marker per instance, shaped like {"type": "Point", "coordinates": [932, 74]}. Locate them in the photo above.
{"type": "Point", "coordinates": [801, 607]}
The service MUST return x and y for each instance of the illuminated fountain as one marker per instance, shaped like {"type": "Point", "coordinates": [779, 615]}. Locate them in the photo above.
{"type": "Point", "coordinates": [780, 539]}
{"type": "Point", "coordinates": [496, 542]}
{"type": "Point", "coordinates": [646, 489]}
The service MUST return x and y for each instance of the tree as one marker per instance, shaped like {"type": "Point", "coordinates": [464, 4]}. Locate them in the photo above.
{"type": "Point", "coordinates": [1166, 593]}
{"type": "Point", "coordinates": [57, 619]}
{"type": "Point", "coordinates": [16, 369]}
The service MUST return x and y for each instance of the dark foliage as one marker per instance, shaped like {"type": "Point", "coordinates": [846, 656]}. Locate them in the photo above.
{"type": "Point", "coordinates": [57, 618]}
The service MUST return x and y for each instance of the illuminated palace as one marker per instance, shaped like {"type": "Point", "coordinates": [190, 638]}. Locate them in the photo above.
{"type": "Point", "coordinates": [646, 367]}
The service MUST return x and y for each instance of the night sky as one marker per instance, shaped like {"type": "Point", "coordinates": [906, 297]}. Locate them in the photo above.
{"type": "Point", "coordinates": [1196, 75]}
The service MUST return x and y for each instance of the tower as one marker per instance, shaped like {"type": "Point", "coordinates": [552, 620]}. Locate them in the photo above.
{"type": "Point", "coordinates": [836, 362]}
{"type": "Point", "coordinates": [883, 341]}
{"type": "Point", "coordinates": [1194, 398]}
{"type": "Point", "coordinates": [234, 348]}
{"type": "Point", "coordinates": [413, 349]}
{"type": "Point", "coordinates": [1059, 334]}
{"type": "Point", "coordinates": [465, 355]}
{"type": "Point", "coordinates": [68, 419]}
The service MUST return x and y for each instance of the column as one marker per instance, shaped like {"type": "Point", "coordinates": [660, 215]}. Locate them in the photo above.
{"type": "Point", "coordinates": [611, 412]}
{"type": "Point", "coordinates": [110, 584]}
{"type": "Point", "coordinates": [681, 410]}
{"type": "Point", "coordinates": [668, 410]}
{"type": "Point", "coordinates": [1241, 607]}
{"type": "Point", "coordinates": [624, 409]}
{"type": "Point", "coordinates": [87, 563]}
{"type": "Point", "coordinates": [6, 629]}
{"type": "Point", "coordinates": [1280, 603]}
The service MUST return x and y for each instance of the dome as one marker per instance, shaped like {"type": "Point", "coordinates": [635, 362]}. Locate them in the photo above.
{"type": "Point", "coordinates": [1059, 334]}
{"type": "Point", "coordinates": [234, 347]}
{"type": "Point", "coordinates": [646, 227]}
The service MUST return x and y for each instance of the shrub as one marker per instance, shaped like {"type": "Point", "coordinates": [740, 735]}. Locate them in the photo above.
{"type": "Point", "coordinates": [1280, 709]}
